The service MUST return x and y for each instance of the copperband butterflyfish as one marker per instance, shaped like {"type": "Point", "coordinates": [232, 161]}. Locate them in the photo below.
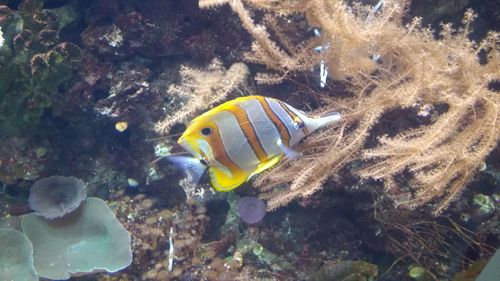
{"type": "Point", "coordinates": [243, 137]}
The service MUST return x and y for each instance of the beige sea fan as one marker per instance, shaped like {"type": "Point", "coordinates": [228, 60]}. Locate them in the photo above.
{"type": "Point", "coordinates": [387, 68]}
{"type": "Point", "coordinates": [201, 89]}
{"type": "Point", "coordinates": [206, 4]}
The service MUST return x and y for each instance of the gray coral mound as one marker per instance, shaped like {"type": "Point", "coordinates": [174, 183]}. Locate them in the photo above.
{"type": "Point", "coordinates": [88, 240]}
{"type": "Point", "coordinates": [56, 196]}
{"type": "Point", "coordinates": [16, 260]}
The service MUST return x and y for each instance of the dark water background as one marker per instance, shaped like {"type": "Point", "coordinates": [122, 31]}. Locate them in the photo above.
{"type": "Point", "coordinates": [63, 123]}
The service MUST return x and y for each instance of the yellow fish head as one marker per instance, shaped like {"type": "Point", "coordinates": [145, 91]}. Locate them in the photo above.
{"type": "Point", "coordinates": [202, 140]}
{"type": "Point", "coordinates": [197, 140]}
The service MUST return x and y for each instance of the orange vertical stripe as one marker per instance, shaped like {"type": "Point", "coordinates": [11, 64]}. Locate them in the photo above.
{"type": "Point", "coordinates": [220, 153]}
{"type": "Point", "coordinates": [285, 135]}
{"type": "Point", "coordinates": [249, 131]}
{"type": "Point", "coordinates": [294, 117]}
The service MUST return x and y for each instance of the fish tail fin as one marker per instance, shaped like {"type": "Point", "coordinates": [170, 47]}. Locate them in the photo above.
{"type": "Point", "coordinates": [191, 166]}
{"type": "Point", "coordinates": [330, 117]}
{"type": "Point", "coordinates": [314, 123]}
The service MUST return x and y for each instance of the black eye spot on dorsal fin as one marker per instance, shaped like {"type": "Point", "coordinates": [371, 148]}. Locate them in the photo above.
{"type": "Point", "coordinates": [299, 124]}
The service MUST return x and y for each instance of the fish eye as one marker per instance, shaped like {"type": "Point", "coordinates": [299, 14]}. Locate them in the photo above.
{"type": "Point", "coordinates": [206, 131]}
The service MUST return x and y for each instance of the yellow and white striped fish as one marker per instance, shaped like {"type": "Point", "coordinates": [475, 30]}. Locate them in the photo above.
{"type": "Point", "coordinates": [244, 137]}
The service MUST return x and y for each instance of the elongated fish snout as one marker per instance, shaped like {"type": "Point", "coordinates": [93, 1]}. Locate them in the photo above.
{"type": "Point", "coordinates": [187, 145]}
{"type": "Point", "coordinates": [182, 142]}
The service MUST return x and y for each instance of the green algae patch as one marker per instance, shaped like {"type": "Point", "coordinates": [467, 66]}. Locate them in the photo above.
{"type": "Point", "coordinates": [347, 271]}
{"type": "Point", "coordinates": [35, 64]}
{"type": "Point", "coordinates": [419, 273]}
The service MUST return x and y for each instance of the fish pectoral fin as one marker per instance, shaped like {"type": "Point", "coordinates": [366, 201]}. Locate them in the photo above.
{"type": "Point", "coordinates": [193, 168]}
{"type": "Point", "coordinates": [223, 181]}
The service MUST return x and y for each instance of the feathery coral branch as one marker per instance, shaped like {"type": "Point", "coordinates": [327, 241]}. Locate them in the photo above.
{"type": "Point", "coordinates": [389, 68]}
{"type": "Point", "coordinates": [201, 89]}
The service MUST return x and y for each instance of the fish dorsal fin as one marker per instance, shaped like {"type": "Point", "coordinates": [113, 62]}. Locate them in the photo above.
{"type": "Point", "coordinates": [224, 106]}
{"type": "Point", "coordinates": [223, 181]}
{"type": "Point", "coordinates": [221, 107]}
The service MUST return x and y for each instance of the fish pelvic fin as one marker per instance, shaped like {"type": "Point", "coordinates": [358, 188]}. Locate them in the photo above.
{"type": "Point", "coordinates": [191, 166]}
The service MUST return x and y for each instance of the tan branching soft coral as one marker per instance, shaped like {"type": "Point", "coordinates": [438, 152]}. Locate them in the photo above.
{"type": "Point", "coordinates": [281, 59]}
{"type": "Point", "coordinates": [388, 68]}
{"type": "Point", "coordinates": [201, 89]}
{"type": "Point", "coordinates": [426, 242]}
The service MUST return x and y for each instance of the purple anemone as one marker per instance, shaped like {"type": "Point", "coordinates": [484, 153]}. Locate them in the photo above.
{"type": "Point", "coordinates": [56, 196]}
{"type": "Point", "coordinates": [251, 209]}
